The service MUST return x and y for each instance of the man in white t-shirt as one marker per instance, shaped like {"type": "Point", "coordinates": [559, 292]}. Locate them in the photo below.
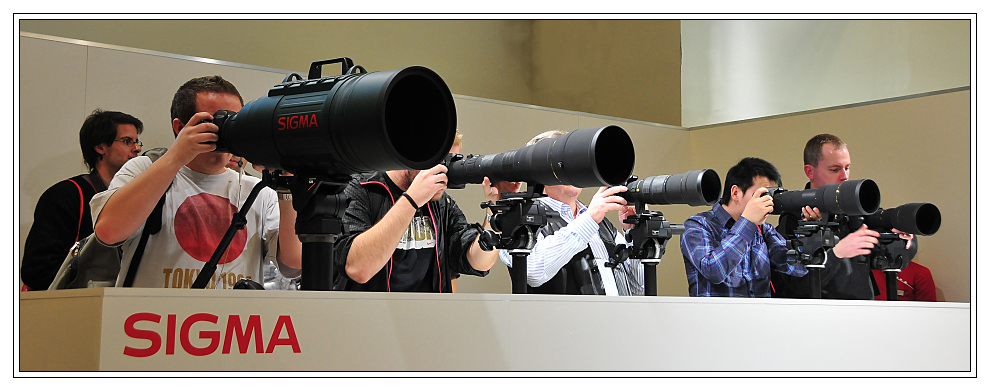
{"type": "Point", "coordinates": [202, 196]}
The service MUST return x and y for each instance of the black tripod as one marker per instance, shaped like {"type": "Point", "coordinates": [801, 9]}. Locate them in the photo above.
{"type": "Point", "coordinates": [807, 246]}
{"type": "Point", "coordinates": [518, 217]}
{"type": "Point", "coordinates": [890, 256]}
{"type": "Point", "coordinates": [649, 236]}
{"type": "Point", "coordinates": [319, 203]}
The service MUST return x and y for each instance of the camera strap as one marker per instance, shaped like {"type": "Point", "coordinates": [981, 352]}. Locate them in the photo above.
{"type": "Point", "coordinates": [152, 226]}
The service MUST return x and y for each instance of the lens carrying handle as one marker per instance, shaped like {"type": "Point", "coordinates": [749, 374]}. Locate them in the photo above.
{"type": "Point", "coordinates": [316, 68]}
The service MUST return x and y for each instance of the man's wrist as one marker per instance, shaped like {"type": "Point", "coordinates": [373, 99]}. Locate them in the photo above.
{"type": "Point", "coordinates": [411, 200]}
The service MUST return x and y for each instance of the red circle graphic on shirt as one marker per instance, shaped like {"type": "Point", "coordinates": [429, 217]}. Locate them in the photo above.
{"type": "Point", "coordinates": [200, 224]}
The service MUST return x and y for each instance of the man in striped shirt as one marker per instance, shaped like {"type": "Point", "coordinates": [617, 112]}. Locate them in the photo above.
{"type": "Point", "coordinates": [571, 252]}
{"type": "Point", "coordinates": [730, 250]}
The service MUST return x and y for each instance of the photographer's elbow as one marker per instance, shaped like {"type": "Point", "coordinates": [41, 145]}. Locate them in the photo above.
{"type": "Point", "coordinates": [105, 234]}
{"type": "Point", "coordinates": [358, 274]}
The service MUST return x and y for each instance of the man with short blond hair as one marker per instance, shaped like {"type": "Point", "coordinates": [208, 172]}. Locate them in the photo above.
{"type": "Point", "coordinates": [827, 161]}
{"type": "Point", "coordinates": [573, 251]}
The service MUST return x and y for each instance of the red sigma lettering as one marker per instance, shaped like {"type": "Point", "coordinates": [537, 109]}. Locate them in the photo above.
{"type": "Point", "coordinates": [245, 334]}
{"type": "Point", "coordinates": [297, 122]}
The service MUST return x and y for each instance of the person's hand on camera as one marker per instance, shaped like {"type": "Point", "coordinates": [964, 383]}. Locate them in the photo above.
{"type": "Point", "coordinates": [860, 242]}
{"type": "Point", "coordinates": [428, 184]}
{"type": "Point", "coordinates": [493, 192]}
{"type": "Point", "coordinates": [605, 201]}
{"type": "Point", "coordinates": [194, 139]}
{"type": "Point", "coordinates": [905, 236]}
{"type": "Point", "coordinates": [811, 214]}
{"type": "Point", "coordinates": [624, 213]}
{"type": "Point", "coordinates": [758, 207]}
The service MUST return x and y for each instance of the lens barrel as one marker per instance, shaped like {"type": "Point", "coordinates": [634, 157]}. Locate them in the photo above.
{"type": "Point", "coordinates": [858, 197]}
{"type": "Point", "coordinates": [919, 218]}
{"type": "Point", "coordinates": [583, 158]}
{"type": "Point", "coordinates": [694, 188]}
{"type": "Point", "coordinates": [399, 119]}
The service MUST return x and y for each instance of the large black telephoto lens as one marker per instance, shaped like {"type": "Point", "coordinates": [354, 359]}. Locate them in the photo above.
{"type": "Point", "coordinates": [919, 218]}
{"type": "Point", "coordinates": [694, 188]}
{"type": "Point", "coordinates": [358, 122]}
{"type": "Point", "coordinates": [583, 158]}
{"type": "Point", "coordinates": [858, 197]}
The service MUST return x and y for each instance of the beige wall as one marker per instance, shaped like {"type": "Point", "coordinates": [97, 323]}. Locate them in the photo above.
{"type": "Point", "coordinates": [621, 68]}
{"type": "Point", "coordinates": [917, 150]}
{"type": "Point", "coordinates": [638, 79]}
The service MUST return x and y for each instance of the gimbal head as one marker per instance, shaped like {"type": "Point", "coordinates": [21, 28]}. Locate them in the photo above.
{"type": "Point", "coordinates": [809, 243]}
{"type": "Point", "coordinates": [516, 217]}
{"type": "Point", "coordinates": [890, 254]}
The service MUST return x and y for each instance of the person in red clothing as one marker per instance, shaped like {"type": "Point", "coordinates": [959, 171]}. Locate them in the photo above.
{"type": "Point", "coordinates": [914, 283]}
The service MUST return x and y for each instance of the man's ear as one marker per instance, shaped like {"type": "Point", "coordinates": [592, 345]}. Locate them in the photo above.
{"type": "Point", "coordinates": [177, 126]}
{"type": "Point", "coordinates": [809, 171]}
{"type": "Point", "coordinates": [100, 149]}
{"type": "Point", "coordinates": [736, 193]}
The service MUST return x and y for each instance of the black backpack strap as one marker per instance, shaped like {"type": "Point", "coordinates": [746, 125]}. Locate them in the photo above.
{"type": "Point", "coordinates": [151, 227]}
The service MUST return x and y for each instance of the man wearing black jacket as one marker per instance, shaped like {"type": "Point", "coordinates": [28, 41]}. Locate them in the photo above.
{"type": "Point", "coordinates": [846, 275]}
{"type": "Point", "coordinates": [405, 234]}
{"type": "Point", "coordinates": [108, 139]}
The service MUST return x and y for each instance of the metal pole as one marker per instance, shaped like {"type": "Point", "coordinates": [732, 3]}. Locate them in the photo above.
{"type": "Point", "coordinates": [519, 270]}
{"type": "Point", "coordinates": [650, 279]}
{"type": "Point", "coordinates": [816, 282]}
{"type": "Point", "coordinates": [891, 284]}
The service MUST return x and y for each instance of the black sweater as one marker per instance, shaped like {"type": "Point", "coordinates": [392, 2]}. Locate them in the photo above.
{"type": "Point", "coordinates": [60, 219]}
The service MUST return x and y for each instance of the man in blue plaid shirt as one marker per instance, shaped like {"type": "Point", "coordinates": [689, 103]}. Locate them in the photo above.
{"type": "Point", "coordinates": [730, 250]}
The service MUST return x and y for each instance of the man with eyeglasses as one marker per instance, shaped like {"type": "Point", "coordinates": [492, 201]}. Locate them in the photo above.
{"type": "Point", "coordinates": [108, 139]}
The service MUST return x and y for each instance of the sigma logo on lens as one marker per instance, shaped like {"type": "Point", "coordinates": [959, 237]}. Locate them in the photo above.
{"type": "Point", "coordinates": [297, 122]}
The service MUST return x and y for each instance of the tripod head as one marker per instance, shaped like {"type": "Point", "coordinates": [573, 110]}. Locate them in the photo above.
{"type": "Point", "coordinates": [890, 254]}
{"type": "Point", "coordinates": [517, 217]}
{"type": "Point", "coordinates": [649, 236]}
{"type": "Point", "coordinates": [809, 243]}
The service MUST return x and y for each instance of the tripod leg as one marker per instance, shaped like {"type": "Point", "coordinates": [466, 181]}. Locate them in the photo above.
{"type": "Point", "coordinates": [650, 279]}
{"type": "Point", "coordinates": [317, 266]}
{"type": "Point", "coordinates": [891, 285]}
{"type": "Point", "coordinates": [519, 272]}
{"type": "Point", "coordinates": [816, 282]}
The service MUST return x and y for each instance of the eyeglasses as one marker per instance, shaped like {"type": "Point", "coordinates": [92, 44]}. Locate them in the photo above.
{"type": "Point", "coordinates": [129, 142]}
